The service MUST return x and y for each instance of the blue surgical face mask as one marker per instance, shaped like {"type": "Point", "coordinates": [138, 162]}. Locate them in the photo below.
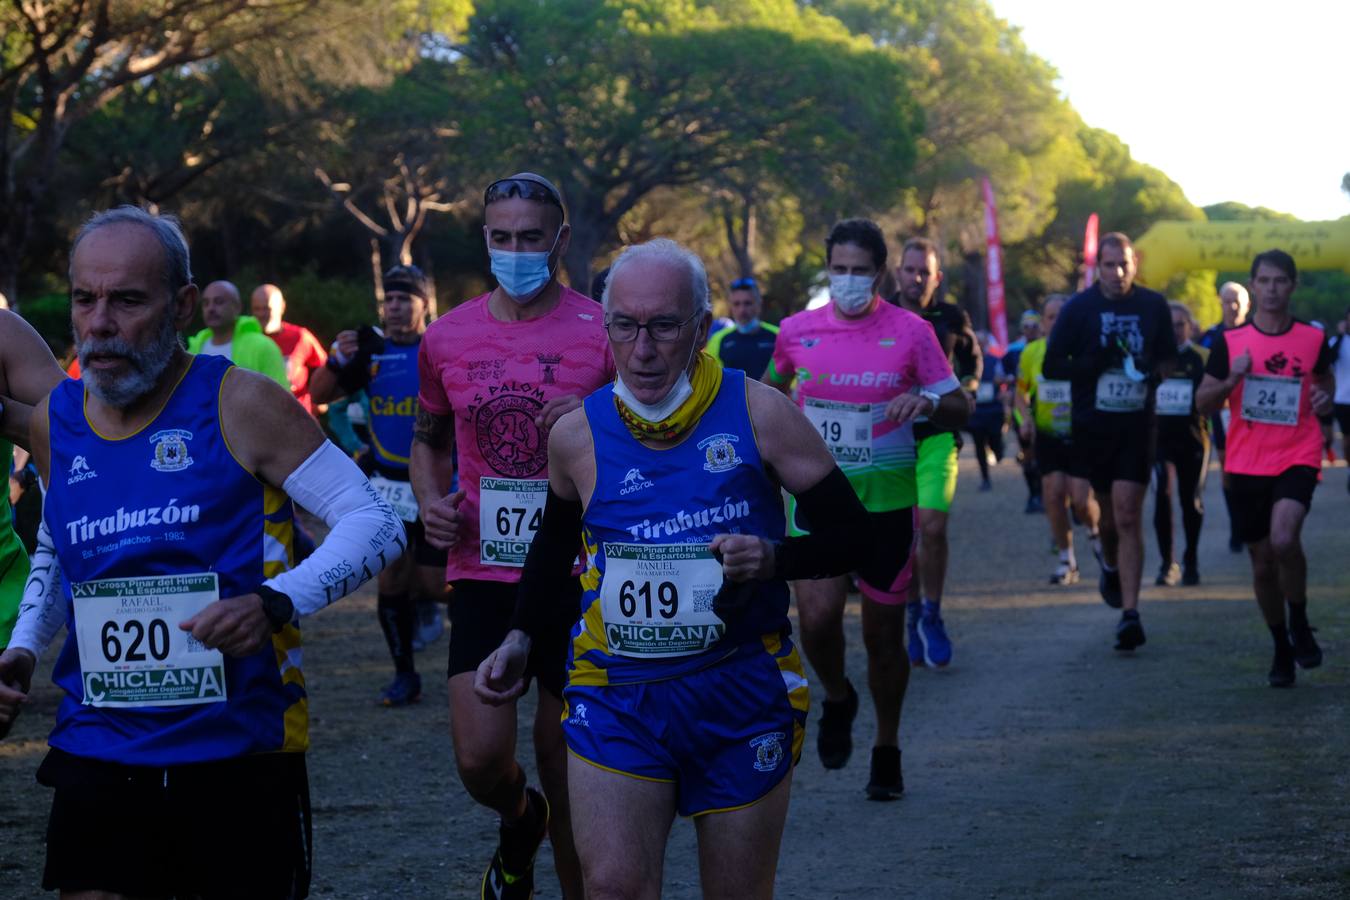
{"type": "Point", "coordinates": [748, 327]}
{"type": "Point", "coordinates": [522, 274]}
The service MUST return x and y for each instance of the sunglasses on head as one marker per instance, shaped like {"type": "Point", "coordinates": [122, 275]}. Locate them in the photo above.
{"type": "Point", "coordinates": [743, 284]}
{"type": "Point", "coordinates": [507, 188]}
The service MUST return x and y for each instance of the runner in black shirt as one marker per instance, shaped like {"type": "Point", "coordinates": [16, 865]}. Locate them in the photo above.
{"type": "Point", "coordinates": [1113, 342]}
{"type": "Point", "coordinates": [1183, 454]}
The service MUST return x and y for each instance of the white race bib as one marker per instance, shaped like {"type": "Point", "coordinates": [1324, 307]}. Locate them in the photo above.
{"type": "Point", "coordinates": [657, 599]}
{"type": "Point", "coordinates": [986, 392]}
{"type": "Point", "coordinates": [845, 427]}
{"type": "Point", "coordinates": [1175, 396]}
{"type": "Point", "coordinates": [1118, 393]}
{"type": "Point", "coordinates": [398, 494]}
{"type": "Point", "coordinates": [509, 513]}
{"type": "Point", "coordinates": [1056, 392]}
{"type": "Point", "coordinates": [132, 652]}
{"type": "Point", "coordinates": [1271, 399]}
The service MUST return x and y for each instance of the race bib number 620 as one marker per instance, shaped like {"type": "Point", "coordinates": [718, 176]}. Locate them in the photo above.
{"type": "Point", "coordinates": [132, 652]}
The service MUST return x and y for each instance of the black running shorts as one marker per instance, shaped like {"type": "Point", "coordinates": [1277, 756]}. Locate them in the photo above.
{"type": "Point", "coordinates": [480, 617]}
{"type": "Point", "coordinates": [235, 828]}
{"type": "Point", "coordinates": [1254, 497]}
{"type": "Point", "coordinates": [1053, 453]}
{"type": "Point", "coordinates": [1124, 452]}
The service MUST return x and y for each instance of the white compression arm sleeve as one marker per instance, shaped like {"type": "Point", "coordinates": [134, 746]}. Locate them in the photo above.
{"type": "Point", "coordinates": [365, 533]}
{"type": "Point", "coordinates": [42, 611]}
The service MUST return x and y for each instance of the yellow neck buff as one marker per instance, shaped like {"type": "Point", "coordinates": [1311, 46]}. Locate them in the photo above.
{"type": "Point", "coordinates": [705, 380]}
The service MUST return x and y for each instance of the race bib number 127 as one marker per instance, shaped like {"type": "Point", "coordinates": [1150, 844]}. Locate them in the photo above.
{"type": "Point", "coordinates": [132, 652]}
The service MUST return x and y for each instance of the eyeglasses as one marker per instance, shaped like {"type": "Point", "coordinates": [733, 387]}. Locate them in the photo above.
{"type": "Point", "coordinates": [744, 284]}
{"type": "Point", "coordinates": [507, 188]}
{"type": "Point", "coordinates": [663, 331]}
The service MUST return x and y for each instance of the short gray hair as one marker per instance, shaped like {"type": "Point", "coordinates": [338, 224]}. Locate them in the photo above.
{"type": "Point", "coordinates": [667, 251]}
{"type": "Point", "coordinates": [166, 229]}
{"type": "Point", "coordinates": [1239, 289]}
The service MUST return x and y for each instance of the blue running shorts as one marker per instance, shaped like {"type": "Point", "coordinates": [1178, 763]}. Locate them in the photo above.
{"type": "Point", "coordinates": [724, 736]}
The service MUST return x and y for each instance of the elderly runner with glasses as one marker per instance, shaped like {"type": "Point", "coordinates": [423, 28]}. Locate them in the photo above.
{"type": "Point", "coordinates": [495, 374]}
{"type": "Point", "coordinates": [685, 693]}
{"type": "Point", "coordinates": [747, 344]}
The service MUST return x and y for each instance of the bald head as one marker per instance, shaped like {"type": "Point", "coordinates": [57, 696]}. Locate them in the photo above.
{"type": "Point", "coordinates": [221, 306]}
{"type": "Point", "coordinates": [1234, 303]}
{"type": "Point", "coordinates": [268, 307]}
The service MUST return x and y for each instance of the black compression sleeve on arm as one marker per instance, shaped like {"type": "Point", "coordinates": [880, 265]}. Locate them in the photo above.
{"type": "Point", "coordinates": [547, 576]}
{"type": "Point", "coordinates": [839, 541]}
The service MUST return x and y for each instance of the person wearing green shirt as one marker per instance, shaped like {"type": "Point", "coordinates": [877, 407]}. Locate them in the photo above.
{"type": "Point", "coordinates": [28, 372]}
{"type": "Point", "coordinates": [1046, 410]}
{"type": "Point", "coordinates": [238, 338]}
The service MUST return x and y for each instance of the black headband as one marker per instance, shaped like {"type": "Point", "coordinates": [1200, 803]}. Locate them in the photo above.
{"type": "Point", "coordinates": [406, 287]}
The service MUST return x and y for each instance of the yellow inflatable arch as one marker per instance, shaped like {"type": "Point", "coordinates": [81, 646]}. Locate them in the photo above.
{"type": "Point", "coordinates": [1169, 248]}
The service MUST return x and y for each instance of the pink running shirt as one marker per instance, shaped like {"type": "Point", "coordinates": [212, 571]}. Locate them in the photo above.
{"type": "Point", "coordinates": [847, 370]}
{"type": "Point", "coordinates": [494, 377]}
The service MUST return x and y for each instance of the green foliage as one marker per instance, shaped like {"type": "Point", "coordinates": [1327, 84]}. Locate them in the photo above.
{"type": "Point", "coordinates": [1199, 290]}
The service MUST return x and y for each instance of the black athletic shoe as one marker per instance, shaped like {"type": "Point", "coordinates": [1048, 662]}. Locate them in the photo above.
{"type": "Point", "coordinates": [510, 875]}
{"type": "Point", "coordinates": [1190, 576]}
{"type": "Point", "coordinates": [1129, 631]}
{"type": "Point", "coordinates": [1168, 576]}
{"type": "Point", "coordinates": [834, 739]}
{"type": "Point", "coordinates": [1282, 670]}
{"type": "Point", "coordinates": [886, 782]}
{"type": "Point", "coordinates": [1108, 583]}
{"type": "Point", "coordinates": [1306, 652]}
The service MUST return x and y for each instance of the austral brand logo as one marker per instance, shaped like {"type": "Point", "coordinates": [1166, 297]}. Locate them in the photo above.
{"type": "Point", "coordinates": [80, 471]}
{"type": "Point", "coordinates": [171, 450]}
{"type": "Point", "coordinates": [579, 716]}
{"type": "Point", "coordinates": [634, 481]}
{"type": "Point", "coordinates": [719, 452]}
{"type": "Point", "coordinates": [768, 751]}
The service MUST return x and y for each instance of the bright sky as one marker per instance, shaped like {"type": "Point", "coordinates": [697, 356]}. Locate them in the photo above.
{"type": "Point", "coordinates": [1233, 99]}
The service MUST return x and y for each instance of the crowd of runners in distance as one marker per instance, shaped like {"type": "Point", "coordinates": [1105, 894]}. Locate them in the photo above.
{"type": "Point", "coordinates": [617, 499]}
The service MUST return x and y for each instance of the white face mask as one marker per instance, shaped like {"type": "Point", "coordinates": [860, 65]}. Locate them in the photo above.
{"type": "Point", "coordinates": [851, 293]}
{"type": "Point", "coordinates": [679, 392]}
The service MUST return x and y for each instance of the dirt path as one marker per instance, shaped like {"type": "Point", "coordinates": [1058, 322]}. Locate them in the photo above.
{"type": "Point", "coordinates": [1041, 764]}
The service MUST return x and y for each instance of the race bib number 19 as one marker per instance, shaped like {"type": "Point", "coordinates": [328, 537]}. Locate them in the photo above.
{"type": "Point", "coordinates": [132, 652]}
{"type": "Point", "coordinates": [845, 427]}
{"type": "Point", "coordinates": [509, 513]}
{"type": "Point", "coordinates": [1118, 392]}
{"type": "Point", "coordinates": [657, 599]}
{"type": "Point", "coordinates": [1271, 399]}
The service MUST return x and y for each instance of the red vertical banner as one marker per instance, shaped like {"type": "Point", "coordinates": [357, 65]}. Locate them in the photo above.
{"type": "Point", "coordinates": [993, 263]}
{"type": "Point", "coordinates": [1090, 252]}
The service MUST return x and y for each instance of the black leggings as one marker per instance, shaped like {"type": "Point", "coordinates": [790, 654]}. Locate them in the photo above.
{"type": "Point", "coordinates": [1192, 464]}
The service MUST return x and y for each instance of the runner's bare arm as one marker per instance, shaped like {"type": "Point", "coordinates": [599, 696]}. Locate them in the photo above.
{"type": "Point", "coordinates": [1323, 395]}
{"type": "Point", "coordinates": [1213, 391]}
{"type": "Point", "coordinates": [548, 566]}
{"type": "Point", "coordinates": [430, 468]}
{"type": "Point", "coordinates": [323, 383]}
{"type": "Point", "coordinates": [28, 372]}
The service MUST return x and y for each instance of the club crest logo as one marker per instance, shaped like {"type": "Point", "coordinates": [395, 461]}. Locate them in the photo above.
{"type": "Point", "coordinates": [171, 450]}
{"type": "Point", "coordinates": [808, 343]}
{"type": "Point", "coordinates": [719, 452]}
{"type": "Point", "coordinates": [548, 367]}
{"type": "Point", "coordinates": [768, 751]}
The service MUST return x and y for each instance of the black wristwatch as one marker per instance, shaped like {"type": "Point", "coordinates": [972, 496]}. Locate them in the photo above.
{"type": "Point", "coordinates": [276, 606]}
